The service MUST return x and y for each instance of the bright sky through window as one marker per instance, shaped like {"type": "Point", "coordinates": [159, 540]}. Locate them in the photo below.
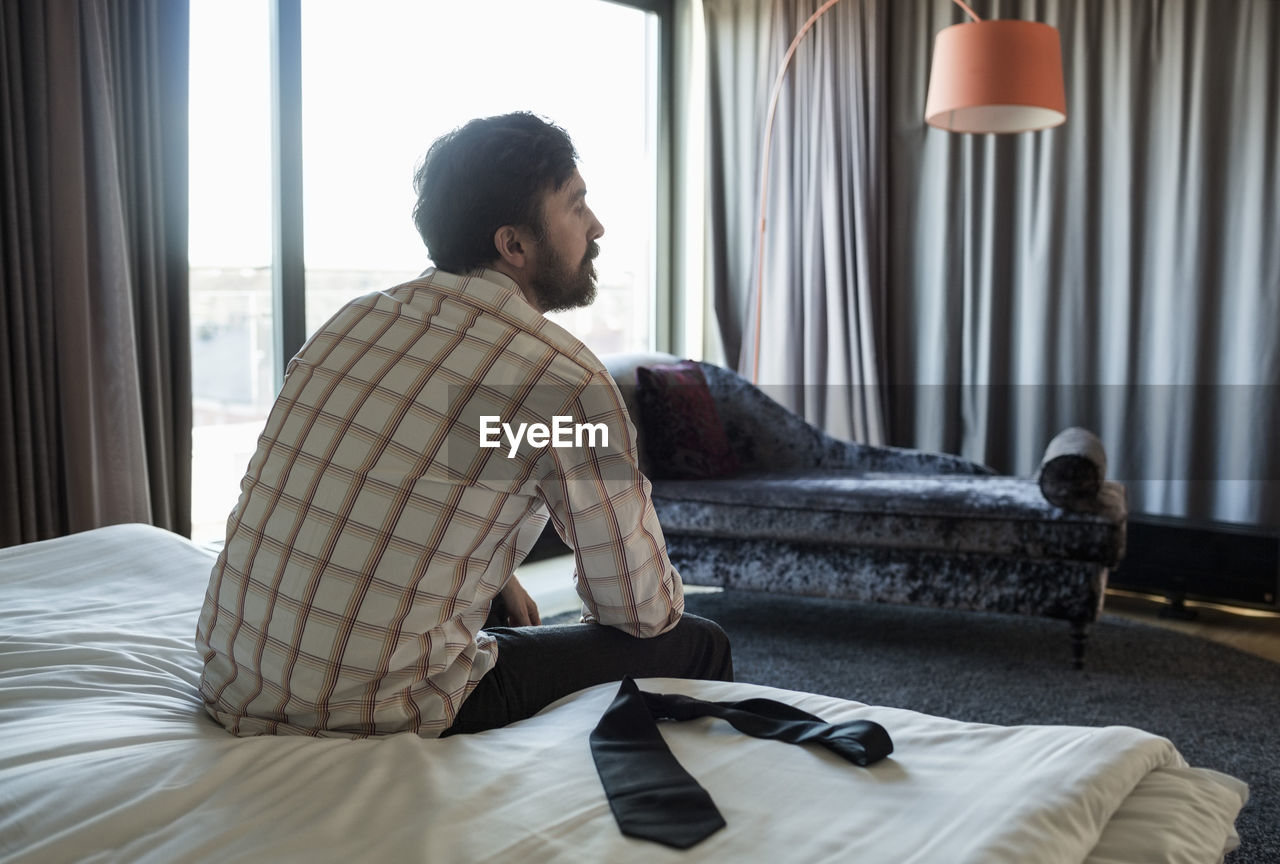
{"type": "Point", "coordinates": [381, 80]}
{"type": "Point", "coordinates": [230, 134]}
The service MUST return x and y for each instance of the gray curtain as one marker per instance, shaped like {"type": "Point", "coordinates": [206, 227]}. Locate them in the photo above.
{"type": "Point", "coordinates": [823, 303]}
{"type": "Point", "coordinates": [95, 402]}
{"type": "Point", "coordinates": [1120, 272]}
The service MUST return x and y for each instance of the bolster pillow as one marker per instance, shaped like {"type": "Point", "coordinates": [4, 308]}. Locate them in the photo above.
{"type": "Point", "coordinates": [1073, 468]}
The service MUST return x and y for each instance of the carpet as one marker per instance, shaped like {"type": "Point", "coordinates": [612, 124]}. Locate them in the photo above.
{"type": "Point", "coordinates": [1219, 706]}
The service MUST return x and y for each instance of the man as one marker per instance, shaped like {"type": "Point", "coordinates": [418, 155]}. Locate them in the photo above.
{"type": "Point", "coordinates": [378, 523]}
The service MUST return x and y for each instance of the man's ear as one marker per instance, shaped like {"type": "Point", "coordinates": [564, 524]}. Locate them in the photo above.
{"type": "Point", "coordinates": [512, 246]}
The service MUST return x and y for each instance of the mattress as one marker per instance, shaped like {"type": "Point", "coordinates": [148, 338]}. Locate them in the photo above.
{"type": "Point", "coordinates": [106, 753]}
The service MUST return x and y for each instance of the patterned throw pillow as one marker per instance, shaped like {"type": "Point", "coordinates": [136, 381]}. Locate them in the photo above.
{"type": "Point", "coordinates": [682, 430]}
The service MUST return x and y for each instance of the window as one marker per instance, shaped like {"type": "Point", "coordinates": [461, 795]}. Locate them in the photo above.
{"type": "Point", "coordinates": [380, 81]}
{"type": "Point", "coordinates": [232, 366]}
{"type": "Point", "coordinates": [379, 87]}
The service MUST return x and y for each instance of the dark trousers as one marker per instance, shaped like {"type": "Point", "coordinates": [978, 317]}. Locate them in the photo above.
{"type": "Point", "coordinates": [538, 665]}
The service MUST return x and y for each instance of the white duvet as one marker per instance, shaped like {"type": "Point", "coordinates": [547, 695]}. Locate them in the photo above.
{"type": "Point", "coordinates": [107, 754]}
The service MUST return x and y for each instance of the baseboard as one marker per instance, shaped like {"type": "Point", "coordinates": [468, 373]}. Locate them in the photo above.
{"type": "Point", "coordinates": [1217, 561]}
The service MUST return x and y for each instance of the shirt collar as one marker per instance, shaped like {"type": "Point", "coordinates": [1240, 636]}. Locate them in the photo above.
{"type": "Point", "coordinates": [484, 285]}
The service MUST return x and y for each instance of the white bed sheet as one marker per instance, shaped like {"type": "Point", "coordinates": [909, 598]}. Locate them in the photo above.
{"type": "Point", "coordinates": [107, 754]}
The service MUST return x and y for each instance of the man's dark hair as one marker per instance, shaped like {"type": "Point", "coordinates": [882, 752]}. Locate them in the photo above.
{"type": "Point", "coordinates": [491, 172]}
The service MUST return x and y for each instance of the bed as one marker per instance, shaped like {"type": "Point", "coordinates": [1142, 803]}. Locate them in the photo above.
{"type": "Point", "coordinates": [106, 753]}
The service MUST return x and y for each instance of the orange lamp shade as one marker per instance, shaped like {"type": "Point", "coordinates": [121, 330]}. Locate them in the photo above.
{"type": "Point", "coordinates": [996, 76]}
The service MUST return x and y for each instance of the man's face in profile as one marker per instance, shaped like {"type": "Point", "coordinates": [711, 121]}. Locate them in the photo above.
{"type": "Point", "coordinates": [564, 276]}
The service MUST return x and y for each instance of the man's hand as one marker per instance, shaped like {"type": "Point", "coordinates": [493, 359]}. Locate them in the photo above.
{"type": "Point", "coordinates": [521, 610]}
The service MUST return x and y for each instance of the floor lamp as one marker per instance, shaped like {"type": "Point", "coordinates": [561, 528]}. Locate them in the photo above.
{"type": "Point", "coordinates": [987, 77]}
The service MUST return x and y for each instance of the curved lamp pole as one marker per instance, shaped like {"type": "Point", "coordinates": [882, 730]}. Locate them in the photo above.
{"type": "Point", "coordinates": [987, 77]}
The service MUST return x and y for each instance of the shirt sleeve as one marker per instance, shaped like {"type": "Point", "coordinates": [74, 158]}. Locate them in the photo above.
{"type": "Point", "coordinates": [600, 504]}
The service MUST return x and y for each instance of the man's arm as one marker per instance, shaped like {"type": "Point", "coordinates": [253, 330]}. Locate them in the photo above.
{"type": "Point", "coordinates": [600, 504]}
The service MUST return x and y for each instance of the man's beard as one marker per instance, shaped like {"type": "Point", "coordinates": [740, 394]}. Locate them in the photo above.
{"type": "Point", "coordinates": [558, 287]}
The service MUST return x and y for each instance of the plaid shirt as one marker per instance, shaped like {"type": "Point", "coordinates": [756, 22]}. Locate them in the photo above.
{"type": "Point", "coordinates": [373, 530]}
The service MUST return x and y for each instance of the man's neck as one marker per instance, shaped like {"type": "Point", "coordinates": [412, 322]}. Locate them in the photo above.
{"type": "Point", "coordinates": [516, 276]}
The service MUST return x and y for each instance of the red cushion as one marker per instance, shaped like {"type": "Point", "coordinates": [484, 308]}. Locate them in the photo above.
{"type": "Point", "coordinates": [682, 432]}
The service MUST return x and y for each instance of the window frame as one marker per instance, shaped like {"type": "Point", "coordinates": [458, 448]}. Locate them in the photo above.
{"type": "Point", "coordinates": [288, 266]}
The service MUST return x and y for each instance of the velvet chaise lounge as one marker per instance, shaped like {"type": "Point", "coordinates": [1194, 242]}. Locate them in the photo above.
{"type": "Point", "coordinates": [806, 513]}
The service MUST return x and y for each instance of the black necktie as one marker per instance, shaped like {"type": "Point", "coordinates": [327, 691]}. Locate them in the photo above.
{"type": "Point", "coordinates": [653, 798]}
